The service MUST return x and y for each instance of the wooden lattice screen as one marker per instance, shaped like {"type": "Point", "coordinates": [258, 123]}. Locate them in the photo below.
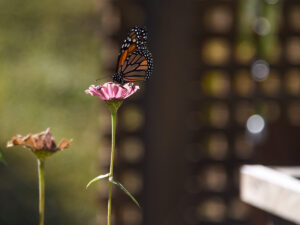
{"type": "Point", "coordinates": [183, 138]}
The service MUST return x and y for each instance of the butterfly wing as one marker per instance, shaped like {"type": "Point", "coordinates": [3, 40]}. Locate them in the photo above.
{"type": "Point", "coordinates": [137, 67]}
{"type": "Point", "coordinates": [135, 40]}
{"type": "Point", "coordinates": [135, 62]}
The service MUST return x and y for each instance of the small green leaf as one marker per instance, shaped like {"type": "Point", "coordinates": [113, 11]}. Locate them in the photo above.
{"type": "Point", "coordinates": [124, 189]}
{"type": "Point", "coordinates": [97, 178]}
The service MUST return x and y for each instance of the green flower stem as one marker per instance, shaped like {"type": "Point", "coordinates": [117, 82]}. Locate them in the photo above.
{"type": "Point", "coordinates": [111, 170]}
{"type": "Point", "coordinates": [41, 171]}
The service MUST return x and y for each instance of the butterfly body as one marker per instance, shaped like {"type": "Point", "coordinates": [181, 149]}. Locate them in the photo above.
{"type": "Point", "coordinates": [135, 62]}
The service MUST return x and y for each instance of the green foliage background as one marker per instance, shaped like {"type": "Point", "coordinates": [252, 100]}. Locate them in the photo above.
{"type": "Point", "coordinates": [49, 54]}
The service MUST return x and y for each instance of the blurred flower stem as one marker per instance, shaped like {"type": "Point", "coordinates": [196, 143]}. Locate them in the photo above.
{"type": "Point", "coordinates": [42, 146]}
{"type": "Point", "coordinates": [41, 171]}
{"type": "Point", "coordinates": [111, 170]}
{"type": "Point", "coordinates": [113, 107]}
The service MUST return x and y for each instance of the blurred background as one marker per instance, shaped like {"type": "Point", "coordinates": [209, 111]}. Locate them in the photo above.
{"type": "Point", "coordinates": [225, 92]}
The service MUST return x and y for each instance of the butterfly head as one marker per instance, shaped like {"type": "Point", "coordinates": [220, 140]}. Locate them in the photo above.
{"type": "Point", "coordinates": [118, 78]}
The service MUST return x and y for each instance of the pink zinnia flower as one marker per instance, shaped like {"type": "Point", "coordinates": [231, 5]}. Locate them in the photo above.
{"type": "Point", "coordinates": [112, 92]}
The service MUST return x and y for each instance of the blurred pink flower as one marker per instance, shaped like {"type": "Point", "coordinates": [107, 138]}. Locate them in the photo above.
{"type": "Point", "coordinates": [111, 91]}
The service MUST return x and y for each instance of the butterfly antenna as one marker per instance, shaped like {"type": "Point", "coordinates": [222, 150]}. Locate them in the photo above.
{"type": "Point", "coordinates": [100, 79]}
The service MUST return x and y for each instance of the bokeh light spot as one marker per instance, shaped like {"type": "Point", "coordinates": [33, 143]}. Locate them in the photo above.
{"type": "Point", "coordinates": [255, 124]}
{"type": "Point", "coordinates": [260, 70]}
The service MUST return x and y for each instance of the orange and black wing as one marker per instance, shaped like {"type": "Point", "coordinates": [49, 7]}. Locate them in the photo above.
{"type": "Point", "coordinates": [134, 58]}
{"type": "Point", "coordinates": [135, 40]}
{"type": "Point", "coordinates": [137, 67]}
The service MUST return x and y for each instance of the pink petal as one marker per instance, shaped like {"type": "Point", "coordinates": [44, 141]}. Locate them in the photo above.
{"type": "Point", "coordinates": [110, 90]}
{"type": "Point", "coordinates": [96, 91]}
{"type": "Point", "coordinates": [116, 90]}
{"type": "Point", "coordinates": [121, 93]}
{"type": "Point", "coordinates": [131, 89]}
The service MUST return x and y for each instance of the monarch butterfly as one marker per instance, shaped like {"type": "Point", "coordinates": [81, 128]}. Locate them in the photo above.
{"type": "Point", "coordinates": [135, 62]}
